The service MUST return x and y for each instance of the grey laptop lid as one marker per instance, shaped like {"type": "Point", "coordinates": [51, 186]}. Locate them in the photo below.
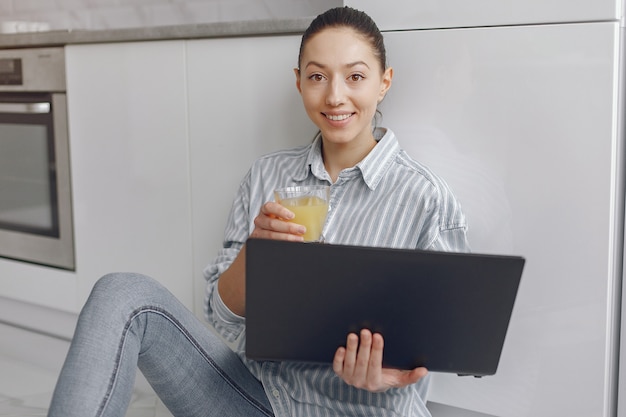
{"type": "Point", "coordinates": [446, 311]}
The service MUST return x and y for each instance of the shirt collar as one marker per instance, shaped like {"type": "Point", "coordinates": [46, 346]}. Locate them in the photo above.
{"type": "Point", "coordinates": [314, 163]}
{"type": "Point", "coordinates": [372, 167]}
{"type": "Point", "coordinates": [378, 161]}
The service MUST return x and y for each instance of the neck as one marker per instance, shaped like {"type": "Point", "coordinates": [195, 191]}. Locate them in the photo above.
{"type": "Point", "coordinates": [340, 156]}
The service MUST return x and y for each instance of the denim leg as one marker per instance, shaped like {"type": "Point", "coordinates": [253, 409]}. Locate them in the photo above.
{"type": "Point", "coordinates": [131, 320]}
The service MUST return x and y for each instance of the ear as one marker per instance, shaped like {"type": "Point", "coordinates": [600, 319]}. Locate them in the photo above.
{"type": "Point", "coordinates": [297, 72]}
{"type": "Point", "coordinates": [385, 83]}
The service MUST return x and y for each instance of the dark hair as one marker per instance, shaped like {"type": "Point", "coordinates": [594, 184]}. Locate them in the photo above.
{"type": "Point", "coordinates": [350, 18]}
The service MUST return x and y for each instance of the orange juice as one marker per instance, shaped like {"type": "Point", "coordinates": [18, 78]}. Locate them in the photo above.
{"type": "Point", "coordinates": [310, 212]}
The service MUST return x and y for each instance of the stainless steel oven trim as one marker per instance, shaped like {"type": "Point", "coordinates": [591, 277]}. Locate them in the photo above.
{"type": "Point", "coordinates": [25, 108]}
{"type": "Point", "coordinates": [50, 251]}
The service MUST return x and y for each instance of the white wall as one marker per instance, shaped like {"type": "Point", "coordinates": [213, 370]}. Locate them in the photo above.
{"type": "Point", "coordinates": [437, 14]}
{"type": "Point", "coordinates": [517, 105]}
{"type": "Point", "coordinates": [521, 121]}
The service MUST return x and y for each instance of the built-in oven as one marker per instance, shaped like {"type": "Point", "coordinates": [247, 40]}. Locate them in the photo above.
{"type": "Point", "coordinates": [36, 222]}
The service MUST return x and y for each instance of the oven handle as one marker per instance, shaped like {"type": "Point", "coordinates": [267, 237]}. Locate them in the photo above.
{"type": "Point", "coordinates": [29, 108]}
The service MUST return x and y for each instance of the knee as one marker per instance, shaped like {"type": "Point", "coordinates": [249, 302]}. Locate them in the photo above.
{"type": "Point", "coordinates": [116, 282]}
{"type": "Point", "coordinates": [113, 300]}
{"type": "Point", "coordinates": [116, 289]}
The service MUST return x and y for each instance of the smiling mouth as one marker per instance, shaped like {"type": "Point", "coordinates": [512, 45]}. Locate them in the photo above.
{"type": "Point", "coordinates": [337, 117]}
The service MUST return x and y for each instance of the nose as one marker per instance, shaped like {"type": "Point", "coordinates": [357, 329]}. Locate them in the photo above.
{"type": "Point", "coordinates": [336, 94]}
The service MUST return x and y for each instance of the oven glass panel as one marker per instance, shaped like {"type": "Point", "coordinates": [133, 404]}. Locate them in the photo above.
{"type": "Point", "coordinates": [27, 181]}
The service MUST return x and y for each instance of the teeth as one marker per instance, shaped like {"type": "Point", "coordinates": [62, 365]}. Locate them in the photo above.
{"type": "Point", "coordinates": [337, 117]}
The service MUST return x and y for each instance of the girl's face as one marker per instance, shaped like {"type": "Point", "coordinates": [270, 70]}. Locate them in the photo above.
{"type": "Point", "coordinates": [341, 83]}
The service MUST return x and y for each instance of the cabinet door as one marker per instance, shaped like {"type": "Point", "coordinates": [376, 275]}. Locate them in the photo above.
{"type": "Point", "coordinates": [521, 121]}
{"type": "Point", "coordinates": [128, 133]}
{"type": "Point", "coordinates": [418, 14]}
{"type": "Point", "coordinates": [243, 103]}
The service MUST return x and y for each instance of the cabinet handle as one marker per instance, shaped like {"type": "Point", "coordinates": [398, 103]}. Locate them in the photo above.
{"type": "Point", "coordinates": [25, 108]}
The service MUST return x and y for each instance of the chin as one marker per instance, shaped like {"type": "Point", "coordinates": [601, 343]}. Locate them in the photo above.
{"type": "Point", "coordinates": [337, 138]}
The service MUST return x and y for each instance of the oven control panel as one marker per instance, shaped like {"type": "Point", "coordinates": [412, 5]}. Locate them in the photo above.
{"type": "Point", "coordinates": [11, 71]}
{"type": "Point", "coordinates": [32, 69]}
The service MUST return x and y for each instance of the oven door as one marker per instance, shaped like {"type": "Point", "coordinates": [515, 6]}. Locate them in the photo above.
{"type": "Point", "coordinates": [35, 193]}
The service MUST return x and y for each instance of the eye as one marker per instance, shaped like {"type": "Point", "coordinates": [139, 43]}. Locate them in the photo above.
{"type": "Point", "coordinates": [356, 77]}
{"type": "Point", "coordinates": [316, 77]}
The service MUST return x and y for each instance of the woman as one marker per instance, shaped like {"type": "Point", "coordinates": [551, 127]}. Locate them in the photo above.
{"type": "Point", "coordinates": [379, 197]}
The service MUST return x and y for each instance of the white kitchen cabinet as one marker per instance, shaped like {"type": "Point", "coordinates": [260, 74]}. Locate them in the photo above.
{"type": "Point", "coordinates": [161, 135]}
{"type": "Point", "coordinates": [423, 14]}
{"type": "Point", "coordinates": [34, 284]}
{"type": "Point", "coordinates": [130, 181]}
{"type": "Point", "coordinates": [130, 163]}
{"type": "Point", "coordinates": [243, 103]}
{"type": "Point", "coordinates": [522, 122]}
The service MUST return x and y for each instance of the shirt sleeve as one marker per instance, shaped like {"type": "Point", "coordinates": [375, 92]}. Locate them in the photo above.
{"type": "Point", "coordinates": [451, 240]}
{"type": "Point", "coordinates": [228, 324]}
{"type": "Point", "coordinates": [451, 228]}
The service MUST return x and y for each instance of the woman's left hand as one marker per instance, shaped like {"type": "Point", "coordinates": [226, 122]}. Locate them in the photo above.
{"type": "Point", "coordinates": [360, 364]}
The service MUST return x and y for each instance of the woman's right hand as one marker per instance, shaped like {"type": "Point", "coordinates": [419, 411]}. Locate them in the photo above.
{"type": "Point", "coordinates": [273, 223]}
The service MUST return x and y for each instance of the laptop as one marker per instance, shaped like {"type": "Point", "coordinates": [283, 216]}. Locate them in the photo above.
{"type": "Point", "coordinates": [446, 311]}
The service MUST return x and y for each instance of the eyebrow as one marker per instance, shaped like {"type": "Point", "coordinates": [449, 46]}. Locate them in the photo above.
{"type": "Point", "coordinates": [349, 65]}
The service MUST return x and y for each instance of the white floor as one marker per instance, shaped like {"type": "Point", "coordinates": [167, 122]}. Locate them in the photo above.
{"type": "Point", "coordinates": [29, 366]}
{"type": "Point", "coordinates": [30, 363]}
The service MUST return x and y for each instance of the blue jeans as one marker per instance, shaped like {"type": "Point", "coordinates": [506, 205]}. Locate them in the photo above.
{"type": "Point", "coordinates": [131, 320]}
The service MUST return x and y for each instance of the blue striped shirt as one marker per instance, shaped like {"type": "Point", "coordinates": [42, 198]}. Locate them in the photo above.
{"type": "Point", "coordinates": [387, 200]}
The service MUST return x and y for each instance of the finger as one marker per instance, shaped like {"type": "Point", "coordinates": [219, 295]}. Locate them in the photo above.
{"type": "Point", "coordinates": [349, 361]}
{"type": "Point", "coordinates": [268, 234]}
{"type": "Point", "coordinates": [270, 219]}
{"type": "Point", "coordinates": [399, 379]}
{"type": "Point", "coordinates": [363, 357]}
{"type": "Point", "coordinates": [416, 374]}
{"type": "Point", "coordinates": [274, 209]}
{"type": "Point", "coordinates": [277, 229]}
{"type": "Point", "coordinates": [376, 355]}
{"type": "Point", "coordinates": [338, 360]}
{"type": "Point", "coordinates": [411, 377]}
{"type": "Point", "coordinates": [270, 225]}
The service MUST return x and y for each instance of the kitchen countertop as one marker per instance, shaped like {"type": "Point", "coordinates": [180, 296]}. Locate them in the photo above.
{"type": "Point", "coordinates": [190, 31]}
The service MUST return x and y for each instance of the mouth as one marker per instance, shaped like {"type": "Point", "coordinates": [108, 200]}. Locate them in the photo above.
{"type": "Point", "coordinates": [337, 117]}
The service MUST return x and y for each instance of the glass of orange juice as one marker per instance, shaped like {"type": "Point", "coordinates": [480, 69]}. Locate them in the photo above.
{"type": "Point", "coordinates": [310, 205]}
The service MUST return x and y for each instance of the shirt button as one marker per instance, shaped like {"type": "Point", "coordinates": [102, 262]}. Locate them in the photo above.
{"type": "Point", "coordinates": [275, 393]}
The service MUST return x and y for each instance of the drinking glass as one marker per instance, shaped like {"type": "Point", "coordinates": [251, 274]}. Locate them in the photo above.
{"type": "Point", "coordinates": [309, 203]}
